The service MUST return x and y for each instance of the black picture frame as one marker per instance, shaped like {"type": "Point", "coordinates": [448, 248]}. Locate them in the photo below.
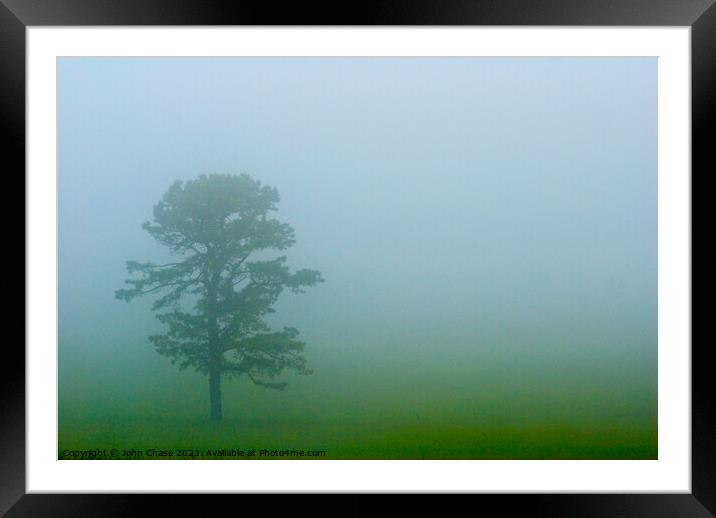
{"type": "Point", "coordinates": [16, 15]}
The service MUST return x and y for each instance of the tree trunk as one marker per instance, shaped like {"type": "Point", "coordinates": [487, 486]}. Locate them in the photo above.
{"type": "Point", "coordinates": [215, 392]}
{"type": "Point", "coordinates": [214, 353]}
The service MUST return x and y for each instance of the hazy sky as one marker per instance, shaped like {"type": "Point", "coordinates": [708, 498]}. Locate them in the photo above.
{"type": "Point", "coordinates": [462, 202]}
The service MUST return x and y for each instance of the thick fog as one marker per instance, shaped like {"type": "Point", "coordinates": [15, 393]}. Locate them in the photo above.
{"type": "Point", "coordinates": [486, 228]}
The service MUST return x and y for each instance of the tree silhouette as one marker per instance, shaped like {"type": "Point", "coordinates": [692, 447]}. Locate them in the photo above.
{"type": "Point", "coordinates": [215, 225]}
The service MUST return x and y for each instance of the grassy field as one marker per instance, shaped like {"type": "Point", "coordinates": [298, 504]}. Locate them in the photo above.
{"type": "Point", "coordinates": [358, 408]}
{"type": "Point", "coordinates": [361, 441]}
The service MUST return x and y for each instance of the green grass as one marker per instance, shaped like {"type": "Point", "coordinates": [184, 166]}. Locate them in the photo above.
{"type": "Point", "coordinates": [367, 440]}
{"type": "Point", "coordinates": [356, 406]}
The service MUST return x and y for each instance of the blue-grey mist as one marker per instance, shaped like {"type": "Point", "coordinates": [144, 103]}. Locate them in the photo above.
{"type": "Point", "coordinates": [486, 228]}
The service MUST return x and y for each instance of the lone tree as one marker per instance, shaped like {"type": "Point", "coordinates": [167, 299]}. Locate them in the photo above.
{"type": "Point", "coordinates": [214, 225]}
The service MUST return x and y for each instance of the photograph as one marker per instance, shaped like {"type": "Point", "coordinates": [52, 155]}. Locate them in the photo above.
{"type": "Point", "coordinates": [357, 258]}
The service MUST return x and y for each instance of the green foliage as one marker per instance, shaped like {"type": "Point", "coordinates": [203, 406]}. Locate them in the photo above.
{"type": "Point", "coordinates": [215, 225]}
